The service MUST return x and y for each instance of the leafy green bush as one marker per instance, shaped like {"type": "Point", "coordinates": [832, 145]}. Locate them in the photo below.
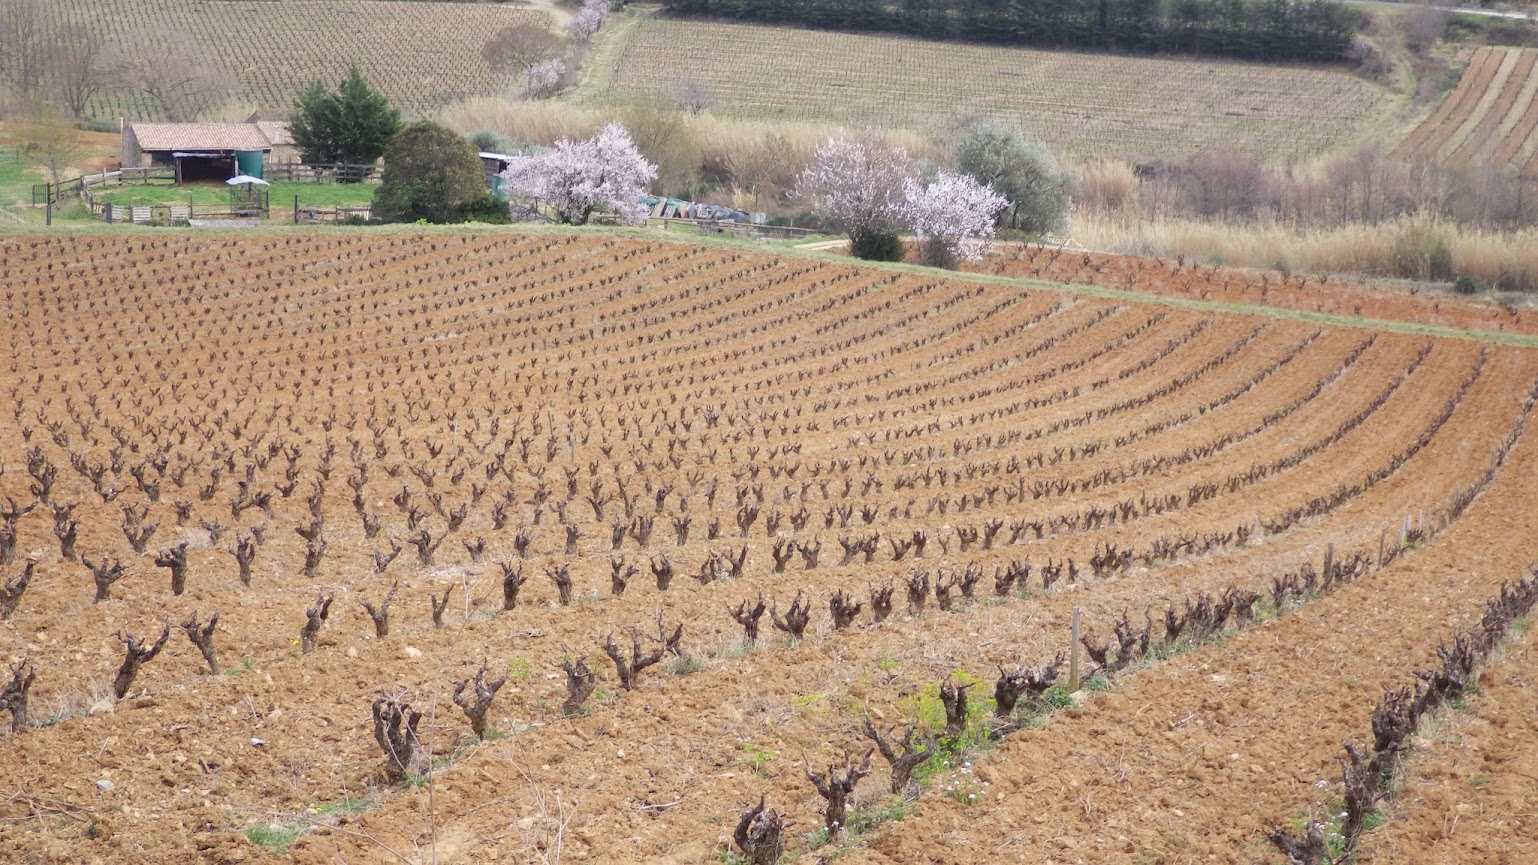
{"type": "Point", "coordinates": [876, 246]}
{"type": "Point", "coordinates": [433, 175]}
{"type": "Point", "coordinates": [1465, 285]}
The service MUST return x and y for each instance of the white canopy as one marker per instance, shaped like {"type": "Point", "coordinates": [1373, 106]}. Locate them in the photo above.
{"type": "Point", "coordinates": [241, 179]}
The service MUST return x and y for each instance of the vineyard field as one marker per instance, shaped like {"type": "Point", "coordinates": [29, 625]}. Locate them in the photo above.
{"type": "Point", "coordinates": [423, 55]}
{"type": "Point", "coordinates": [1489, 119]}
{"type": "Point", "coordinates": [535, 547]}
{"type": "Point", "coordinates": [1085, 104]}
{"type": "Point", "coordinates": [1236, 285]}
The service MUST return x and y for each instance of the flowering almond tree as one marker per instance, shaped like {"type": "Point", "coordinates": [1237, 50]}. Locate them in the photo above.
{"type": "Point", "coordinates": [948, 214]}
{"type": "Point", "coordinates": [588, 19]}
{"type": "Point", "coordinates": [543, 78]}
{"type": "Point", "coordinates": [579, 178]}
{"type": "Point", "coordinates": [858, 184]}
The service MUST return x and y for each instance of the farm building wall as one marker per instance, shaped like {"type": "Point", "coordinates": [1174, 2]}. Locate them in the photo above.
{"type": "Point", "coordinates": [132, 156]}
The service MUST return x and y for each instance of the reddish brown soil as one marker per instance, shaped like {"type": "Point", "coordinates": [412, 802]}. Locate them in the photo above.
{"type": "Point", "coordinates": [1265, 288]}
{"type": "Point", "coordinates": [525, 360]}
{"type": "Point", "coordinates": [1471, 792]}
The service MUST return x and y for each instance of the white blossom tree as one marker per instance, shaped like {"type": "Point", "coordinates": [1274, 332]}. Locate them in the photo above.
{"type": "Point", "coordinates": [858, 184]}
{"type": "Point", "coordinates": [949, 214]}
{"type": "Point", "coordinates": [543, 78]}
{"type": "Point", "coordinates": [588, 19]}
{"type": "Point", "coordinates": [579, 178]}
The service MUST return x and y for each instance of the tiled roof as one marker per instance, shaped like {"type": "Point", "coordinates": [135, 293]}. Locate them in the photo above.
{"type": "Point", "coordinates": [276, 132]}
{"type": "Point", "coordinates": [201, 136]}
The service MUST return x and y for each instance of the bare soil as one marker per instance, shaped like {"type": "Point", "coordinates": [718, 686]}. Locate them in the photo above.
{"type": "Point", "coordinates": [538, 380]}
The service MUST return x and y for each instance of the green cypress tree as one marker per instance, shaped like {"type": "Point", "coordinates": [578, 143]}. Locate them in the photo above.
{"type": "Point", "coordinates": [353, 125]}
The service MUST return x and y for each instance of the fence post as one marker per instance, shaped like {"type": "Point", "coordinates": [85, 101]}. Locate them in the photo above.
{"type": "Point", "coordinates": [48, 213]}
{"type": "Point", "coordinates": [106, 210]}
{"type": "Point", "coordinates": [296, 209]}
{"type": "Point", "coordinates": [1073, 654]}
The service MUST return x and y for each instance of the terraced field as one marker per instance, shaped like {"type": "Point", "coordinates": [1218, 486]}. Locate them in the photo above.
{"type": "Point", "coordinates": [388, 461]}
{"type": "Point", "coordinates": [1086, 104]}
{"type": "Point", "coordinates": [1490, 118]}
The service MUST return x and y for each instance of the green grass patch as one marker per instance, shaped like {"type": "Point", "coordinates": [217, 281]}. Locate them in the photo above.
{"type": "Point", "coordinates": [278, 836]}
{"type": "Point", "coordinates": [927, 710]}
{"type": "Point", "coordinates": [520, 668]}
{"type": "Point", "coordinates": [280, 196]}
{"type": "Point", "coordinates": [16, 181]}
{"type": "Point", "coordinates": [806, 701]}
{"type": "Point", "coordinates": [758, 755]}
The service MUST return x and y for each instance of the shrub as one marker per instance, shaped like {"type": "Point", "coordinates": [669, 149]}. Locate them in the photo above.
{"type": "Point", "coordinates": [486, 141]}
{"type": "Point", "coordinates": [489, 209]}
{"type": "Point", "coordinates": [430, 174]}
{"type": "Point", "coordinates": [876, 246]}
{"type": "Point", "coordinates": [1039, 191]}
{"type": "Point", "coordinates": [1465, 285]}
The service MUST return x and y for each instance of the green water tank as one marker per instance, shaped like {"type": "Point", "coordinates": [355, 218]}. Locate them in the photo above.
{"type": "Point", "coordinates": [249, 162]}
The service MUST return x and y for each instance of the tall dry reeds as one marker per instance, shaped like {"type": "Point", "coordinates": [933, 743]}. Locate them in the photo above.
{"type": "Point", "coordinates": [1417, 246]}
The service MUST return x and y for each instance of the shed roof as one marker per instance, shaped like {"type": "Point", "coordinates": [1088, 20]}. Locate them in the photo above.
{"type": "Point", "coordinates": [204, 136]}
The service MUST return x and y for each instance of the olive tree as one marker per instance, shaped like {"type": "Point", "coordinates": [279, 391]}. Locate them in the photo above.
{"type": "Point", "coordinates": [1039, 191]}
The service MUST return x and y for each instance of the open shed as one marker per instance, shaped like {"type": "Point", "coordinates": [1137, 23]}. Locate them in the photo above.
{"type": "Point", "coordinates": [201, 151]}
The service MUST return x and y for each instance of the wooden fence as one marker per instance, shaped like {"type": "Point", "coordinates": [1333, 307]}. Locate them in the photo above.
{"type": "Point", "coordinates": [316, 215]}
{"type": "Point", "coordinates": [301, 172]}
{"type": "Point", "coordinates": [734, 229]}
{"type": "Point", "coordinates": [49, 193]}
{"type": "Point", "coordinates": [167, 214]}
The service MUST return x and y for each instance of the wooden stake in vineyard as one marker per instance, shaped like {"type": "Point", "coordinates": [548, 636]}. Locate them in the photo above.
{"type": "Point", "coordinates": [1073, 653]}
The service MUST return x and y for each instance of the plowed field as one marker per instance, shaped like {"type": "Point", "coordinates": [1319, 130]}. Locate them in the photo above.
{"type": "Point", "coordinates": [531, 445]}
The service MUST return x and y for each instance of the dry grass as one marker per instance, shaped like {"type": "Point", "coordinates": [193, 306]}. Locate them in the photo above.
{"type": "Point", "coordinates": [1497, 259]}
{"type": "Point", "coordinates": [1088, 105]}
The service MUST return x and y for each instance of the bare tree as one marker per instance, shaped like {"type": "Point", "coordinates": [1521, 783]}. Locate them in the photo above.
{"type": "Point", "coordinates": [180, 73]}
{"type": "Point", "coordinates": [23, 44]}
{"type": "Point", "coordinates": [693, 95]}
{"type": "Point", "coordinates": [520, 49]}
{"type": "Point", "coordinates": [760, 834]}
{"type": "Point", "coordinates": [75, 69]}
{"type": "Point", "coordinates": [53, 145]}
{"type": "Point", "coordinates": [767, 165]}
{"type": "Point", "coordinates": [395, 729]}
{"type": "Point", "coordinates": [135, 655]}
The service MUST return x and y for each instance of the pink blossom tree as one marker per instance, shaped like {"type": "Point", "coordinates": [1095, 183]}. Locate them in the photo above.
{"type": "Point", "coordinates": [858, 184]}
{"type": "Point", "coordinates": [948, 214]}
{"type": "Point", "coordinates": [578, 178]}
